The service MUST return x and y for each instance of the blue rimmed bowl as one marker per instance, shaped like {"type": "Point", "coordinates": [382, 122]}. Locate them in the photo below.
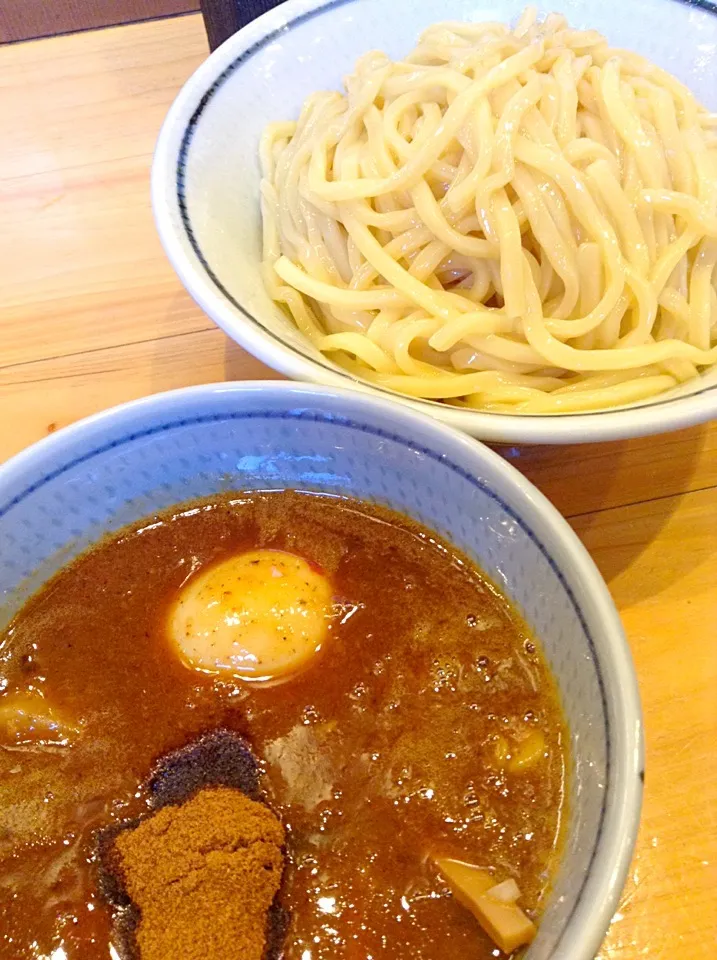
{"type": "Point", "coordinates": [206, 176]}
{"type": "Point", "coordinates": [70, 489]}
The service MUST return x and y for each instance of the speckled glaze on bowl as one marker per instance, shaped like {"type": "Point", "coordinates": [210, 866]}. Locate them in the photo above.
{"type": "Point", "coordinates": [114, 468]}
{"type": "Point", "coordinates": [205, 177]}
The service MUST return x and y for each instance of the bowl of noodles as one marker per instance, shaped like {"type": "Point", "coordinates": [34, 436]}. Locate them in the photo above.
{"type": "Point", "coordinates": [506, 219]}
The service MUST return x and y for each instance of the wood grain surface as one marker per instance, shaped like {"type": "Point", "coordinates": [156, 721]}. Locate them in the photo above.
{"type": "Point", "coordinates": [91, 314]}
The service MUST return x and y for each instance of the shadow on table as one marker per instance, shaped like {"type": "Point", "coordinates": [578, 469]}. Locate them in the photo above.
{"type": "Point", "coordinates": [240, 365]}
{"type": "Point", "coordinates": [619, 497]}
{"type": "Point", "coordinates": [625, 539]}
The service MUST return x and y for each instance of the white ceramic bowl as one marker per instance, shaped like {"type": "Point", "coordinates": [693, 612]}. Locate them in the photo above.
{"type": "Point", "coordinates": [205, 179]}
{"type": "Point", "coordinates": [111, 469]}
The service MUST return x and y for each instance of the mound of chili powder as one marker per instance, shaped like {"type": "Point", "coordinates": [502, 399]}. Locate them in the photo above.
{"type": "Point", "coordinates": [198, 877]}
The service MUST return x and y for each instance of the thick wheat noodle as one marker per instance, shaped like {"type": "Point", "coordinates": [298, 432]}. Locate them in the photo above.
{"type": "Point", "coordinates": [519, 221]}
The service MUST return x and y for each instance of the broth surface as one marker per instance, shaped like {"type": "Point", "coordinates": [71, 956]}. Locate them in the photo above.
{"type": "Point", "coordinates": [398, 741]}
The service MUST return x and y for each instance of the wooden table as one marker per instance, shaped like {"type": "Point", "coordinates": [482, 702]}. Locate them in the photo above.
{"type": "Point", "coordinates": [91, 314]}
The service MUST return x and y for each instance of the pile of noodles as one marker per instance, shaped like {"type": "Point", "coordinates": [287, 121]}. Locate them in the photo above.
{"type": "Point", "coordinates": [522, 221]}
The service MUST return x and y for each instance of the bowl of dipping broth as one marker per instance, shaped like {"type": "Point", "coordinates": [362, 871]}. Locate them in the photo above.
{"type": "Point", "coordinates": [363, 196]}
{"type": "Point", "coordinates": [335, 661]}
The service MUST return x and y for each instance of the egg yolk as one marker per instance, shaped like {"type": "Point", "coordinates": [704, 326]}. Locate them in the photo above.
{"type": "Point", "coordinates": [260, 615]}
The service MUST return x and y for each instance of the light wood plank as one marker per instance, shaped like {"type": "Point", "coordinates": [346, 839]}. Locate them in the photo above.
{"type": "Point", "coordinates": [660, 562]}
{"type": "Point", "coordinates": [587, 477]}
{"type": "Point", "coordinates": [39, 398]}
{"type": "Point", "coordinates": [79, 116]}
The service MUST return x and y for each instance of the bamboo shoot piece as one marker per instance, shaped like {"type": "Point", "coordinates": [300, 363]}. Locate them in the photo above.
{"type": "Point", "coordinates": [493, 905]}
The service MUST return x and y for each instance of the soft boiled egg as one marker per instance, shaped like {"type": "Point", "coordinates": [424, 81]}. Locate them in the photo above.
{"type": "Point", "coordinates": [260, 615]}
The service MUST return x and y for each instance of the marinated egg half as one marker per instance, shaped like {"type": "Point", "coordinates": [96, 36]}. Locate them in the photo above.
{"type": "Point", "coordinates": [259, 616]}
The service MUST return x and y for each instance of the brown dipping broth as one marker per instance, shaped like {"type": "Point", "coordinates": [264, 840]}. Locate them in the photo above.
{"type": "Point", "coordinates": [388, 748]}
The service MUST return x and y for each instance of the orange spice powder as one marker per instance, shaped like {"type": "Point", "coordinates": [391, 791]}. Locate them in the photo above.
{"type": "Point", "coordinates": [203, 876]}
